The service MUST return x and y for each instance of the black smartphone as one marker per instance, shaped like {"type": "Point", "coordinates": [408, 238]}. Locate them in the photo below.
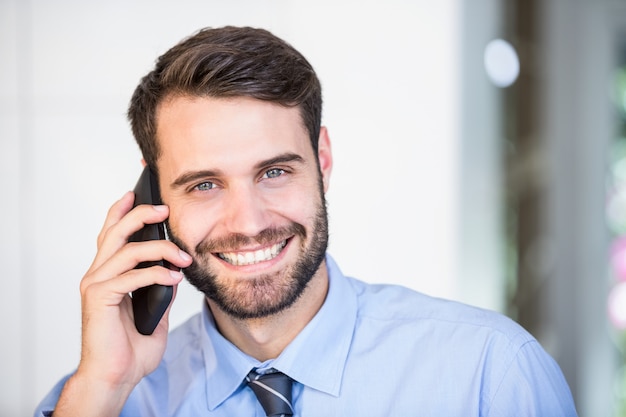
{"type": "Point", "coordinates": [149, 303]}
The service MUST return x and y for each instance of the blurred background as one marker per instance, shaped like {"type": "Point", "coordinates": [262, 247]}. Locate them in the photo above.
{"type": "Point", "coordinates": [480, 155]}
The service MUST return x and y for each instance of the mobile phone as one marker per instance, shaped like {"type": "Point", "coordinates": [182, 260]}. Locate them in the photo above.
{"type": "Point", "coordinates": [149, 303]}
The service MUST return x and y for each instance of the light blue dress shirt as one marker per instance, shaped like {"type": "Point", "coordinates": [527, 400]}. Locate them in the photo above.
{"type": "Point", "coordinates": [372, 350]}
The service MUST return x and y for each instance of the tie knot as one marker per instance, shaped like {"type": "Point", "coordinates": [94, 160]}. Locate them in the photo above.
{"type": "Point", "coordinates": [273, 390]}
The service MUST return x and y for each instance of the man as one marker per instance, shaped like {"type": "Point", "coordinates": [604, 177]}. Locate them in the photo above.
{"type": "Point", "coordinates": [230, 120]}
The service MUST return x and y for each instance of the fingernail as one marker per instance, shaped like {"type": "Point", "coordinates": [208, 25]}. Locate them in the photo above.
{"type": "Point", "coordinates": [176, 275]}
{"type": "Point", "coordinates": [184, 256]}
{"type": "Point", "coordinates": [160, 207]}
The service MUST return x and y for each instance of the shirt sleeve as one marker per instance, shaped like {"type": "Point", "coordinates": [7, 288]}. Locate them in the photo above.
{"type": "Point", "coordinates": [532, 385]}
{"type": "Point", "coordinates": [47, 405]}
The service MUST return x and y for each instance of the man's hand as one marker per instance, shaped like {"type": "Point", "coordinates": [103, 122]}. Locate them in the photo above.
{"type": "Point", "coordinates": [115, 357]}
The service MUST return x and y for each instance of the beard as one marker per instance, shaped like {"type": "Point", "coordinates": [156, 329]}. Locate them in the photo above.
{"type": "Point", "coordinates": [266, 294]}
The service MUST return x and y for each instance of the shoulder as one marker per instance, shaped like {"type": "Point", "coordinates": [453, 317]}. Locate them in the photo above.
{"type": "Point", "coordinates": [398, 304]}
{"type": "Point", "coordinates": [432, 338]}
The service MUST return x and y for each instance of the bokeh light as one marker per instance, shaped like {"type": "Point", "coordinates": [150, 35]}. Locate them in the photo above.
{"type": "Point", "coordinates": [617, 305]}
{"type": "Point", "coordinates": [501, 63]}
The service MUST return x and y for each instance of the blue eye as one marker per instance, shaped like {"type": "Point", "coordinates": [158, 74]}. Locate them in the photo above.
{"type": "Point", "coordinates": [205, 186]}
{"type": "Point", "coordinates": [273, 173]}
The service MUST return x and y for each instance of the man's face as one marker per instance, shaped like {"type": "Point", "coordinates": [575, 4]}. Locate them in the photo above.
{"type": "Point", "coordinates": [246, 199]}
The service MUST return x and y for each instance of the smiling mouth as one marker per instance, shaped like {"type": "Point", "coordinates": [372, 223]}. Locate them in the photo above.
{"type": "Point", "coordinates": [253, 257]}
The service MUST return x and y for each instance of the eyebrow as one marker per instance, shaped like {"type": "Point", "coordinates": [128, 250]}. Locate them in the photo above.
{"type": "Point", "coordinates": [192, 176]}
{"type": "Point", "coordinates": [280, 159]}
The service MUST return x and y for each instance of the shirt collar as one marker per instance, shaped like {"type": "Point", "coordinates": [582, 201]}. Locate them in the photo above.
{"type": "Point", "coordinates": [225, 365]}
{"type": "Point", "coordinates": [315, 358]}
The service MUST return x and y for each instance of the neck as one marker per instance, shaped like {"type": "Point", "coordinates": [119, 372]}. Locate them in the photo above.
{"type": "Point", "coordinates": [265, 338]}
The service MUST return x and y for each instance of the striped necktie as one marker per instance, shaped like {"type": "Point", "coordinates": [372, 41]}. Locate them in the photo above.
{"type": "Point", "coordinates": [273, 390]}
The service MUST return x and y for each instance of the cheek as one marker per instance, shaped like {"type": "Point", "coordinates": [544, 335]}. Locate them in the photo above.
{"type": "Point", "coordinates": [292, 202]}
{"type": "Point", "coordinates": [191, 224]}
{"type": "Point", "coordinates": [301, 206]}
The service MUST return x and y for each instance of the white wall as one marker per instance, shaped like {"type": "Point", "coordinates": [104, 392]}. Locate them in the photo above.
{"type": "Point", "coordinates": [390, 72]}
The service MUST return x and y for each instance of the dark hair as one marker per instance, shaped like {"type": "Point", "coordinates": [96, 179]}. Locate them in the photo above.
{"type": "Point", "coordinates": [227, 62]}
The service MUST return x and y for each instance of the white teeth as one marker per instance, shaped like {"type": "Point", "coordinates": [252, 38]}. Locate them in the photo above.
{"type": "Point", "coordinates": [249, 258]}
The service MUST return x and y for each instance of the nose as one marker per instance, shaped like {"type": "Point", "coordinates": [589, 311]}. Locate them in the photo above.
{"type": "Point", "coordinates": [245, 211]}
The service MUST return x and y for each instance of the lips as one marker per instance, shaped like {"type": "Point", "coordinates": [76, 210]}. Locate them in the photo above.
{"type": "Point", "coordinates": [253, 257]}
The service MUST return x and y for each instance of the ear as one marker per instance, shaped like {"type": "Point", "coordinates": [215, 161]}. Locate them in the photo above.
{"type": "Point", "coordinates": [143, 163]}
{"type": "Point", "coordinates": [325, 157]}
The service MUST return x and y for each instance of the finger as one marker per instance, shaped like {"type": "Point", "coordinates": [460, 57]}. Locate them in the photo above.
{"type": "Point", "coordinates": [111, 293]}
{"type": "Point", "coordinates": [115, 213]}
{"type": "Point", "coordinates": [169, 306]}
{"type": "Point", "coordinates": [116, 236]}
{"type": "Point", "coordinates": [134, 253]}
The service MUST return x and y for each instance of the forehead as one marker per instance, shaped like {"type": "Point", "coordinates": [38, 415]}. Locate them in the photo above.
{"type": "Point", "coordinates": [196, 131]}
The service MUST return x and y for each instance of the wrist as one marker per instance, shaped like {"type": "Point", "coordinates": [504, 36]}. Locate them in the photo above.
{"type": "Point", "coordinates": [86, 396]}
